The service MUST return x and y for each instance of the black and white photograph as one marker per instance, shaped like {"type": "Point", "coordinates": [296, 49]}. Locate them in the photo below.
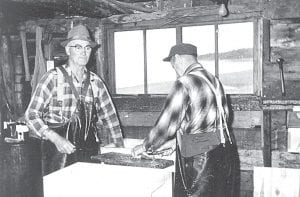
{"type": "Point", "coordinates": [149, 98]}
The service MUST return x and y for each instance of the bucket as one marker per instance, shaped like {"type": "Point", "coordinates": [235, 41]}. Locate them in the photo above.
{"type": "Point", "coordinates": [21, 169]}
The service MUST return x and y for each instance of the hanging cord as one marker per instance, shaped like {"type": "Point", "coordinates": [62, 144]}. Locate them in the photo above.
{"type": "Point", "coordinates": [181, 170]}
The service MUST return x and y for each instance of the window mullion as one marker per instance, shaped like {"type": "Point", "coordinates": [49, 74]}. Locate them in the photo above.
{"type": "Point", "coordinates": [178, 35]}
{"type": "Point", "coordinates": [145, 62]}
{"type": "Point", "coordinates": [216, 50]}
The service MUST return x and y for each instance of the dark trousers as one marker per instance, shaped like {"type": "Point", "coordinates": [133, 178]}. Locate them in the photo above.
{"type": "Point", "coordinates": [53, 160]}
{"type": "Point", "coordinates": [215, 173]}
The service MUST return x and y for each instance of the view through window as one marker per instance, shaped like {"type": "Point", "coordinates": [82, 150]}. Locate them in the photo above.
{"type": "Point", "coordinates": [225, 50]}
{"type": "Point", "coordinates": [236, 57]}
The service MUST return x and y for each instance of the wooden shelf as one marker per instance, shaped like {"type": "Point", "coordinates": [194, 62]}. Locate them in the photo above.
{"type": "Point", "coordinates": [280, 102]}
{"type": "Point", "coordinates": [286, 105]}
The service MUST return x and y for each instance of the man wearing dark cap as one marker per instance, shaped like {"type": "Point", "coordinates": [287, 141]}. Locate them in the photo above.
{"type": "Point", "coordinates": [70, 105]}
{"type": "Point", "coordinates": [195, 114]}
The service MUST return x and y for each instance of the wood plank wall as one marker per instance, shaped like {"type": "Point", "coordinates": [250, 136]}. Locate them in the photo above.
{"type": "Point", "coordinates": [285, 43]}
{"type": "Point", "coordinates": [139, 113]}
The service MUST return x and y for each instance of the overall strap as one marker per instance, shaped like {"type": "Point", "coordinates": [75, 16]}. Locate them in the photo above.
{"type": "Point", "coordinates": [86, 83]}
{"type": "Point", "coordinates": [59, 84]}
{"type": "Point", "coordinates": [69, 80]}
{"type": "Point", "coordinates": [222, 119]}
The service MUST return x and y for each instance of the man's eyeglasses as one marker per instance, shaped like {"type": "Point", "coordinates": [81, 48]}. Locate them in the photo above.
{"type": "Point", "coordinates": [78, 47]}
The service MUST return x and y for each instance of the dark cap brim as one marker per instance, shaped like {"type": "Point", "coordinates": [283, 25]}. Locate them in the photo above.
{"type": "Point", "coordinates": [167, 59]}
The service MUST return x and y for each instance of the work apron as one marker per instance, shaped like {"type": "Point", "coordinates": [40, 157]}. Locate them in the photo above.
{"type": "Point", "coordinates": [207, 164]}
{"type": "Point", "coordinates": [210, 174]}
{"type": "Point", "coordinates": [80, 130]}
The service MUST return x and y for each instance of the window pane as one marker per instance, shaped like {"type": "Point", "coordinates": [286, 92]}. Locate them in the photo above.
{"type": "Point", "coordinates": [236, 57]}
{"type": "Point", "coordinates": [160, 74]}
{"type": "Point", "coordinates": [129, 62]}
{"type": "Point", "coordinates": [204, 38]}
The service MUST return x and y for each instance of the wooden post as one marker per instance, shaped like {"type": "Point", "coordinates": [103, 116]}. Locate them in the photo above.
{"type": "Point", "coordinates": [7, 73]}
{"type": "Point", "coordinates": [99, 53]}
{"type": "Point", "coordinates": [1, 96]}
{"type": "Point", "coordinates": [266, 138]}
{"type": "Point", "coordinates": [25, 56]}
{"type": "Point", "coordinates": [160, 5]}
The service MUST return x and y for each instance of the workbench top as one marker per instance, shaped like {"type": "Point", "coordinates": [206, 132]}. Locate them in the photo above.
{"type": "Point", "coordinates": [94, 179]}
{"type": "Point", "coordinates": [90, 179]}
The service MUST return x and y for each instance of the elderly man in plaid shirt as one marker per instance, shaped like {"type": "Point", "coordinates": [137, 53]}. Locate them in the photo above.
{"type": "Point", "coordinates": [196, 115]}
{"type": "Point", "coordinates": [69, 106]}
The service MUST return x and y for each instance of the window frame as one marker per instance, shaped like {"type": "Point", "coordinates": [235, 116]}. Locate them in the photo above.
{"type": "Point", "coordinates": [258, 28]}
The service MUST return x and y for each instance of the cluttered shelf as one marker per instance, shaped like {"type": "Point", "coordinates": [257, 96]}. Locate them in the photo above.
{"type": "Point", "coordinates": [291, 107]}
{"type": "Point", "coordinates": [288, 105]}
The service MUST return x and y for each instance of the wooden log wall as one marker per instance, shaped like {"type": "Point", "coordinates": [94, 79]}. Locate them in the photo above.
{"type": "Point", "coordinates": [285, 44]}
{"type": "Point", "coordinates": [139, 113]}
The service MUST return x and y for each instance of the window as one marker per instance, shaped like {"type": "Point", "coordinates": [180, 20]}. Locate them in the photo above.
{"type": "Point", "coordinates": [225, 50]}
{"type": "Point", "coordinates": [139, 68]}
{"type": "Point", "coordinates": [160, 74]}
{"type": "Point", "coordinates": [236, 57]}
{"type": "Point", "coordinates": [203, 37]}
{"type": "Point", "coordinates": [129, 61]}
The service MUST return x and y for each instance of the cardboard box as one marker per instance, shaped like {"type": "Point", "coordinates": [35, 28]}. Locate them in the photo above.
{"type": "Point", "coordinates": [276, 182]}
{"type": "Point", "coordinates": [293, 124]}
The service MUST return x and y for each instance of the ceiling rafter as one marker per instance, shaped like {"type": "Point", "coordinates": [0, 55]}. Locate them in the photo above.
{"type": "Point", "coordinates": [130, 6]}
{"type": "Point", "coordinates": [20, 10]}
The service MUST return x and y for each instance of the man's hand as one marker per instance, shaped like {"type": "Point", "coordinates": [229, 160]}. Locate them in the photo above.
{"type": "Point", "coordinates": [164, 152]}
{"type": "Point", "coordinates": [62, 144]}
{"type": "Point", "coordinates": [167, 148]}
{"type": "Point", "coordinates": [138, 150]}
{"type": "Point", "coordinates": [120, 144]}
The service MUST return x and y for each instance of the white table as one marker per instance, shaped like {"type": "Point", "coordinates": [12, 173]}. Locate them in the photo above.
{"type": "Point", "coordinates": [101, 180]}
{"type": "Point", "coordinates": [89, 179]}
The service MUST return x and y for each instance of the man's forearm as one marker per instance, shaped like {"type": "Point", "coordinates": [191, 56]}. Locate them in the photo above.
{"type": "Point", "coordinates": [50, 135]}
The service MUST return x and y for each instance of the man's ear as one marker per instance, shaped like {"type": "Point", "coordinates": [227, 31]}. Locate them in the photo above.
{"type": "Point", "coordinates": [177, 58]}
{"type": "Point", "coordinates": [67, 49]}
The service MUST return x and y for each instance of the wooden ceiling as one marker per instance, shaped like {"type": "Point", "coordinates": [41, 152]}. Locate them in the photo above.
{"type": "Point", "coordinates": [21, 10]}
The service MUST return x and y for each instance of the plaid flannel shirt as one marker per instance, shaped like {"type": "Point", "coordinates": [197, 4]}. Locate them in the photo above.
{"type": "Point", "coordinates": [189, 108]}
{"type": "Point", "coordinates": [45, 106]}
